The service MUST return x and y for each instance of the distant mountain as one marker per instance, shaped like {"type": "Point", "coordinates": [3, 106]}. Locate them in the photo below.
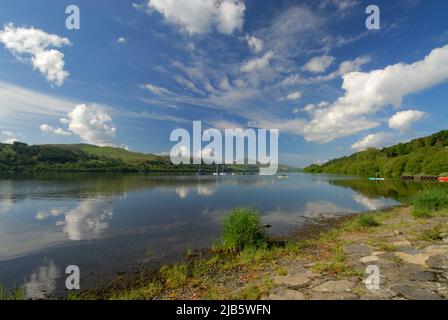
{"type": "Point", "coordinates": [19, 157]}
{"type": "Point", "coordinates": [423, 156]}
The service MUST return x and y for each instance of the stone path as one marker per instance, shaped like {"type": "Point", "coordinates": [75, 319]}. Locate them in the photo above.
{"type": "Point", "coordinates": [410, 269]}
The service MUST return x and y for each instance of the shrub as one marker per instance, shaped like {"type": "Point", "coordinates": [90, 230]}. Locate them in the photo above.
{"type": "Point", "coordinates": [242, 230]}
{"type": "Point", "coordinates": [428, 201]}
{"type": "Point", "coordinates": [366, 220]}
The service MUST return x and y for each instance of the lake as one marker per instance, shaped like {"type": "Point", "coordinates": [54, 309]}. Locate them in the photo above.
{"type": "Point", "coordinates": [107, 224]}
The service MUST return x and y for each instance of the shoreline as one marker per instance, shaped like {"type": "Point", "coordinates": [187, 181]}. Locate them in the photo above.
{"type": "Point", "coordinates": [261, 269]}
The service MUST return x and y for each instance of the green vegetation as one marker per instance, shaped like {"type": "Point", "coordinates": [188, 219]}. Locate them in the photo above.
{"type": "Point", "coordinates": [16, 294]}
{"type": "Point", "coordinates": [428, 201]}
{"type": "Point", "coordinates": [423, 156]}
{"type": "Point", "coordinates": [20, 157]}
{"type": "Point", "coordinates": [242, 230]}
{"type": "Point", "coordinates": [367, 221]}
{"type": "Point", "coordinates": [434, 234]}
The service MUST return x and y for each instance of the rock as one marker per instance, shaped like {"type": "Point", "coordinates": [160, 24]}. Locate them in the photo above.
{"type": "Point", "coordinates": [417, 258]}
{"type": "Point", "coordinates": [335, 286]}
{"type": "Point", "coordinates": [439, 261]}
{"type": "Point", "coordinates": [402, 243]}
{"type": "Point", "coordinates": [423, 276]}
{"type": "Point", "coordinates": [360, 249]}
{"type": "Point", "coordinates": [377, 253]}
{"type": "Point", "coordinates": [381, 294]}
{"type": "Point", "coordinates": [295, 278]}
{"type": "Point", "coordinates": [415, 293]}
{"type": "Point", "coordinates": [286, 294]}
{"type": "Point", "coordinates": [333, 296]}
{"type": "Point", "coordinates": [369, 259]}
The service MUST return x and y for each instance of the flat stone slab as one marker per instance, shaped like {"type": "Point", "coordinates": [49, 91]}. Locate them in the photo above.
{"type": "Point", "coordinates": [414, 258]}
{"type": "Point", "coordinates": [381, 294]}
{"type": "Point", "coordinates": [415, 293]}
{"type": "Point", "coordinates": [333, 296]}
{"type": "Point", "coordinates": [335, 286]}
{"type": "Point", "coordinates": [402, 243]}
{"type": "Point", "coordinates": [423, 276]}
{"type": "Point", "coordinates": [439, 261]}
{"type": "Point", "coordinates": [369, 259]}
{"type": "Point", "coordinates": [360, 249]}
{"type": "Point", "coordinates": [295, 278]}
{"type": "Point", "coordinates": [286, 294]}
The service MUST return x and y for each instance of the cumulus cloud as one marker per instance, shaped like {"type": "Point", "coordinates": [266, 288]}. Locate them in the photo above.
{"type": "Point", "coordinates": [375, 140]}
{"type": "Point", "coordinates": [319, 64]}
{"type": "Point", "coordinates": [368, 92]}
{"type": "Point", "coordinates": [202, 16]}
{"type": "Point", "coordinates": [255, 44]}
{"type": "Point", "coordinates": [92, 123]}
{"type": "Point", "coordinates": [402, 121]}
{"type": "Point", "coordinates": [29, 44]}
{"type": "Point", "coordinates": [258, 64]}
{"type": "Point", "coordinates": [56, 131]}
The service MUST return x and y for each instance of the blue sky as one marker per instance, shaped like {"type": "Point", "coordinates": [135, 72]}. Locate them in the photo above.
{"type": "Point", "coordinates": [136, 70]}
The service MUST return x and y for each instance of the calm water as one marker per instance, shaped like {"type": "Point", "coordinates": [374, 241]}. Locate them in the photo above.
{"type": "Point", "coordinates": [107, 223]}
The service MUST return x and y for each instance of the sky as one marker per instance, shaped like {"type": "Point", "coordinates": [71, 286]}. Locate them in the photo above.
{"type": "Point", "coordinates": [136, 70]}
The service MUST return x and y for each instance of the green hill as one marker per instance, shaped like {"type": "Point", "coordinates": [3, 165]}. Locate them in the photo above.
{"type": "Point", "coordinates": [423, 156]}
{"type": "Point", "coordinates": [20, 157]}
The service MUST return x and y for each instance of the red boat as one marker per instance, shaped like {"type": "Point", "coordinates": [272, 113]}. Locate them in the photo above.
{"type": "Point", "coordinates": [442, 179]}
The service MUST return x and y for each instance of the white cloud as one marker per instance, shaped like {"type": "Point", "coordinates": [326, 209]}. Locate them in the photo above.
{"type": "Point", "coordinates": [34, 44]}
{"type": "Point", "coordinates": [122, 40]}
{"type": "Point", "coordinates": [258, 64]}
{"type": "Point", "coordinates": [254, 43]}
{"type": "Point", "coordinates": [93, 124]}
{"type": "Point", "coordinates": [9, 137]}
{"type": "Point", "coordinates": [155, 89]}
{"type": "Point", "coordinates": [341, 5]}
{"type": "Point", "coordinates": [201, 16]}
{"type": "Point", "coordinates": [375, 140]}
{"type": "Point", "coordinates": [319, 64]}
{"type": "Point", "coordinates": [56, 131]}
{"type": "Point", "coordinates": [294, 96]}
{"type": "Point", "coordinates": [368, 92]}
{"type": "Point", "coordinates": [402, 121]}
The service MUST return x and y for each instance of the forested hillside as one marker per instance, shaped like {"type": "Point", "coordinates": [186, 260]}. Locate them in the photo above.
{"type": "Point", "coordinates": [423, 156]}
{"type": "Point", "coordinates": [20, 157]}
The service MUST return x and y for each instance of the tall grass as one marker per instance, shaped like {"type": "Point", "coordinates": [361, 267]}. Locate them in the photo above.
{"type": "Point", "coordinates": [428, 201]}
{"type": "Point", "coordinates": [16, 294]}
{"type": "Point", "coordinates": [242, 230]}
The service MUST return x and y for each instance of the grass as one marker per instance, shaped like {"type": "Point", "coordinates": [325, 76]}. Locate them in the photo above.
{"type": "Point", "coordinates": [434, 234]}
{"type": "Point", "coordinates": [367, 221]}
{"type": "Point", "coordinates": [242, 229]}
{"type": "Point", "coordinates": [175, 276]}
{"type": "Point", "coordinates": [426, 202]}
{"type": "Point", "coordinates": [16, 294]}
